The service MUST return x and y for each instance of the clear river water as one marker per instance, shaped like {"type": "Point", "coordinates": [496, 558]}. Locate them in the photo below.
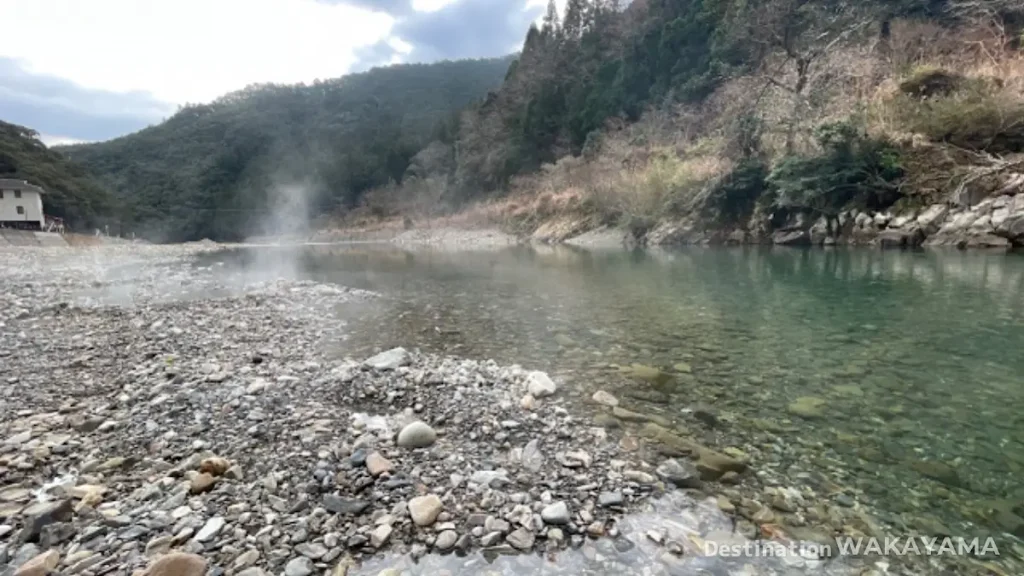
{"type": "Point", "coordinates": [892, 381]}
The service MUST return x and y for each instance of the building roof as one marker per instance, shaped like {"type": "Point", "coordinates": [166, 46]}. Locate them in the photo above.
{"type": "Point", "coordinates": [12, 184]}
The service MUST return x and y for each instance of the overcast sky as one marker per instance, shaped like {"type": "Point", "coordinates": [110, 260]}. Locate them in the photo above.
{"type": "Point", "coordinates": [93, 70]}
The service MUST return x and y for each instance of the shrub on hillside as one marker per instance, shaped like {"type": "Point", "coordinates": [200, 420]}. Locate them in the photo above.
{"type": "Point", "coordinates": [733, 198]}
{"type": "Point", "coordinates": [853, 169]}
{"type": "Point", "coordinates": [980, 115]}
{"type": "Point", "coordinates": [931, 81]}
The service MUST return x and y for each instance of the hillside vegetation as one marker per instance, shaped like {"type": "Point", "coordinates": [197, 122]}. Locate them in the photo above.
{"type": "Point", "coordinates": [734, 115]}
{"type": "Point", "coordinates": [264, 158]}
{"type": "Point", "coordinates": [71, 192]}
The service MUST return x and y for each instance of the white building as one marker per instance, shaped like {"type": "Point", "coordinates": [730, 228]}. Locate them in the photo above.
{"type": "Point", "coordinates": [21, 205]}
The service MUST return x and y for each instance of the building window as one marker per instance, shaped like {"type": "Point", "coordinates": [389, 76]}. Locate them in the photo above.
{"type": "Point", "coordinates": [21, 209]}
{"type": "Point", "coordinates": [17, 193]}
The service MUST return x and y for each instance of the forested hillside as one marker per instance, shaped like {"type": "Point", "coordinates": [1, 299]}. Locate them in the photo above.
{"type": "Point", "coordinates": [71, 193]}
{"type": "Point", "coordinates": [728, 109]}
{"type": "Point", "coordinates": [269, 155]}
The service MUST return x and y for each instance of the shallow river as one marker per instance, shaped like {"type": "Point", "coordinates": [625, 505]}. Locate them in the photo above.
{"type": "Point", "coordinates": [895, 377]}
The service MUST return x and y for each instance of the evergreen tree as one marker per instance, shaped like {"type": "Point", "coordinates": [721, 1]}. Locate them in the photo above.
{"type": "Point", "coordinates": [574, 21]}
{"type": "Point", "coordinates": [551, 28]}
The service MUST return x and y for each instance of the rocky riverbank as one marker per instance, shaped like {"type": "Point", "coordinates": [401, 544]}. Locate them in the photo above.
{"type": "Point", "coordinates": [992, 223]}
{"type": "Point", "coordinates": [159, 413]}
{"type": "Point", "coordinates": [217, 419]}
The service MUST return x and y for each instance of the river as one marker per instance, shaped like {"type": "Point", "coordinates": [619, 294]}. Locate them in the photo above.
{"type": "Point", "coordinates": [891, 381]}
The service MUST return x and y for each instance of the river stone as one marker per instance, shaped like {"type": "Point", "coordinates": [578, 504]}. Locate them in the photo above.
{"type": "Point", "coordinates": [606, 499]}
{"type": "Point", "coordinates": [212, 527]}
{"type": "Point", "coordinates": [602, 397]}
{"type": "Point", "coordinates": [491, 478]}
{"type": "Point", "coordinates": [713, 465]}
{"type": "Point", "coordinates": [521, 539]}
{"type": "Point", "coordinates": [215, 466]}
{"type": "Point", "coordinates": [1008, 522]}
{"type": "Point", "coordinates": [159, 545]}
{"type": "Point", "coordinates": [446, 540]}
{"type": "Point", "coordinates": [639, 477]}
{"type": "Point", "coordinates": [42, 514]}
{"type": "Point", "coordinates": [380, 535]}
{"type": "Point", "coordinates": [390, 360]}
{"type": "Point", "coordinates": [630, 416]}
{"type": "Point", "coordinates": [557, 513]}
{"type": "Point", "coordinates": [339, 505]}
{"type": "Point", "coordinates": [539, 384]}
{"type": "Point", "coordinates": [682, 474]}
{"type": "Point", "coordinates": [416, 435]}
{"type": "Point", "coordinates": [300, 566]}
{"type": "Point", "coordinates": [311, 550]}
{"type": "Point", "coordinates": [648, 374]}
{"type": "Point", "coordinates": [247, 558]}
{"type": "Point", "coordinates": [532, 458]}
{"type": "Point", "coordinates": [808, 407]}
{"type": "Point", "coordinates": [178, 564]}
{"type": "Point", "coordinates": [490, 539]}
{"type": "Point", "coordinates": [528, 402]}
{"type": "Point", "coordinates": [939, 471]}
{"type": "Point", "coordinates": [425, 509]}
{"type": "Point", "coordinates": [203, 482]}
{"type": "Point", "coordinates": [41, 565]}
{"type": "Point", "coordinates": [377, 464]}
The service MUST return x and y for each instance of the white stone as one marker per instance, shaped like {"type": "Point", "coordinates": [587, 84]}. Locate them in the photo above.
{"type": "Point", "coordinates": [446, 540]}
{"type": "Point", "coordinates": [209, 530]}
{"type": "Point", "coordinates": [557, 513]}
{"type": "Point", "coordinates": [389, 360]}
{"type": "Point", "coordinates": [380, 535]}
{"type": "Point", "coordinates": [539, 384]}
{"type": "Point", "coordinates": [416, 435]}
{"type": "Point", "coordinates": [425, 509]}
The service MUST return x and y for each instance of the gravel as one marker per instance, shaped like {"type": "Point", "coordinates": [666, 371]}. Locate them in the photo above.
{"type": "Point", "coordinates": [156, 405]}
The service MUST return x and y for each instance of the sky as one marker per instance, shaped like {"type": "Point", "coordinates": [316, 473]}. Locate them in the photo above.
{"type": "Point", "coordinates": [77, 70]}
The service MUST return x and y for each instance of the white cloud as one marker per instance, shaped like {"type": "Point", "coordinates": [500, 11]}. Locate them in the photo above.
{"type": "Point", "coordinates": [52, 140]}
{"type": "Point", "coordinates": [430, 5]}
{"type": "Point", "coordinates": [187, 50]}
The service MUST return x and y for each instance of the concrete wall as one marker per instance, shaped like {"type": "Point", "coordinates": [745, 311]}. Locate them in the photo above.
{"type": "Point", "coordinates": [32, 202]}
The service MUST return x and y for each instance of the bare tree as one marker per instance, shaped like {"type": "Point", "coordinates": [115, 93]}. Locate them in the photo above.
{"type": "Point", "coordinates": [802, 32]}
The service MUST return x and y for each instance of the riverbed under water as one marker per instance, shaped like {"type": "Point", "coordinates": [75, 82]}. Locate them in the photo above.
{"type": "Point", "coordinates": [898, 377]}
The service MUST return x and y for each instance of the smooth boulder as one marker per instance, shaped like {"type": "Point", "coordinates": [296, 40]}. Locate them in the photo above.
{"type": "Point", "coordinates": [417, 435]}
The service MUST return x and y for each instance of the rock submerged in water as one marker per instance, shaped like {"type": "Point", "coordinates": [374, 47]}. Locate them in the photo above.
{"type": "Point", "coordinates": [810, 407]}
{"type": "Point", "coordinates": [939, 471]}
{"type": "Point", "coordinates": [416, 435]}
{"type": "Point", "coordinates": [602, 397]}
{"type": "Point", "coordinates": [539, 384]}
{"type": "Point", "coordinates": [681, 474]}
{"type": "Point", "coordinates": [647, 374]}
{"type": "Point", "coordinates": [390, 360]}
